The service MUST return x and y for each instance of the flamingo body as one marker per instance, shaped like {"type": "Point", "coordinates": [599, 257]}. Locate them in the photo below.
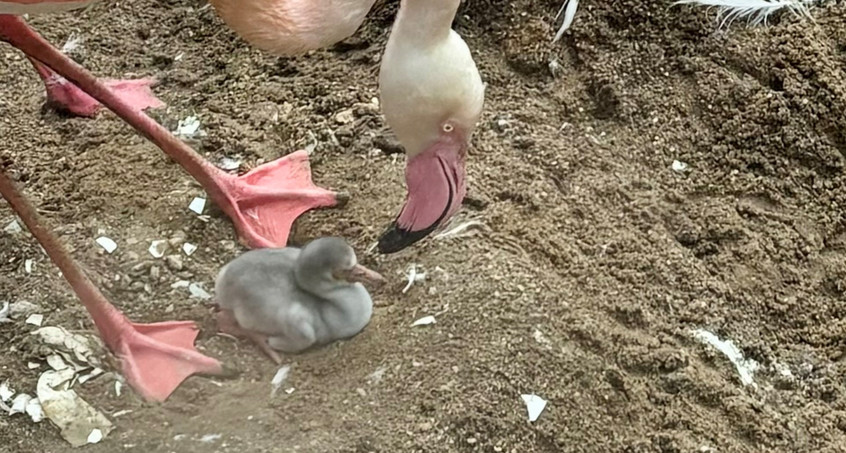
{"type": "Point", "coordinates": [20, 7]}
{"type": "Point", "coordinates": [292, 299]}
{"type": "Point", "coordinates": [291, 27]}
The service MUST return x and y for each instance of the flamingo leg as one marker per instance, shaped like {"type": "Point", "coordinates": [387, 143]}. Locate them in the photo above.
{"type": "Point", "coordinates": [227, 324]}
{"type": "Point", "coordinates": [67, 97]}
{"type": "Point", "coordinates": [262, 204]}
{"type": "Point", "coordinates": [155, 358]}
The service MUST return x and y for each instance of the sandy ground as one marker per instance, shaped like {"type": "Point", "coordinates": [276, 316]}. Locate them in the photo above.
{"type": "Point", "coordinates": [597, 263]}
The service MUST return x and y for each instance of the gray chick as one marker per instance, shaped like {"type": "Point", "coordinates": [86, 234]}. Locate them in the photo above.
{"type": "Point", "coordinates": [292, 299]}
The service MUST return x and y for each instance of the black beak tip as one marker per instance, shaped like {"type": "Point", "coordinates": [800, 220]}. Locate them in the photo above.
{"type": "Point", "coordinates": [396, 239]}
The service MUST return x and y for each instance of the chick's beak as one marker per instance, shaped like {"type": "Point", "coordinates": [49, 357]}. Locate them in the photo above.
{"type": "Point", "coordinates": [363, 275]}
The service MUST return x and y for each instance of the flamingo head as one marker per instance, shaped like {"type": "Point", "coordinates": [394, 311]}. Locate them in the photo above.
{"type": "Point", "coordinates": [433, 113]}
{"type": "Point", "coordinates": [432, 96]}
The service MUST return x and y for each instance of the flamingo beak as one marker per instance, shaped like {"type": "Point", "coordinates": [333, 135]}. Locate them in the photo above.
{"type": "Point", "coordinates": [436, 188]}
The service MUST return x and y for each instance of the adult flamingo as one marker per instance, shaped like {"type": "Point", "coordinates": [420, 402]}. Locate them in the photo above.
{"type": "Point", "coordinates": [431, 91]}
{"type": "Point", "coordinates": [262, 204]}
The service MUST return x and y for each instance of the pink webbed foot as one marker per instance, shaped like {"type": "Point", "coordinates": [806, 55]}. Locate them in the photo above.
{"type": "Point", "coordinates": [64, 96]}
{"type": "Point", "coordinates": [227, 324]}
{"type": "Point", "coordinates": [156, 358]}
{"type": "Point", "coordinates": [264, 202]}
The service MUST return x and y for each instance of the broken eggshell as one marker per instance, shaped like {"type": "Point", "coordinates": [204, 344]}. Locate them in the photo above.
{"type": "Point", "coordinates": [35, 411]}
{"type": "Point", "coordinates": [6, 392]}
{"type": "Point", "coordinates": [73, 348]}
{"type": "Point", "coordinates": [107, 243]}
{"type": "Point", "coordinates": [35, 319]}
{"type": "Point", "coordinates": [746, 368]}
{"type": "Point", "coordinates": [189, 128]}
{"type": "Point", "coordinates": [197, 291]}
{"type": "Point", "coordinates": [189, 248]}
{"type": "Point", "coordinates": [74, 417]}
{"type": "Point", "coordinates": [424, 321]}
{"type": "Point", "coordinates": [534, 406]}
{"type": "Point", "coordinates": [279, 379]}
{"type": "Point", "coordinates": [197, 205]}
{"type": "Point", "coordinates": [4, 313]}
{"type": "Point", "coordinates": [19, 404]}
{"type": "Point", "coordinates": [13, 227]}
{"type": "Point", "coordinates": [413, 276]}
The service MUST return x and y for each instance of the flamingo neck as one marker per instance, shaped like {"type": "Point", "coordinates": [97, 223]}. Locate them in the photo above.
{"type": "Point", "coordinates": [423, 22]}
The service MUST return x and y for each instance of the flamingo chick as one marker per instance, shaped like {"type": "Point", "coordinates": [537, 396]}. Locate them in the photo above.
{"type": "Point", "coordinates": [432, 97]}
{"type": "Point", "coordinates": [291, 27]}
{"type": "Point", "coordinates": [292, 299]}
{"type": "Point", "coordinates": [65, 96]}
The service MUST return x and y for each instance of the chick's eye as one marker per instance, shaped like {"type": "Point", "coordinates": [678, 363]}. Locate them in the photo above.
{"type": "Point", "coordinates": [448, 128]}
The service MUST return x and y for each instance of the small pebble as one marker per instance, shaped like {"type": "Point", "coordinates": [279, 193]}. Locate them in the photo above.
{"type": "Point", "coordinates": [177, 240]}
{"type": "Point", "coordinates": [158, 248]}
{"type": "Point", "coordinates": [174, 262]}
{"type": "Point", "coordinates": [344, 117]}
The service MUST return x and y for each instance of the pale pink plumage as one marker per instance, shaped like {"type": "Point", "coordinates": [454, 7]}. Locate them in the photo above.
{"type": "Point", "coordinates": [290, 27]}
{"type": "Point", "coordinates": [432, 96]}
{"type": "Point", "coordinates": [21, 7]}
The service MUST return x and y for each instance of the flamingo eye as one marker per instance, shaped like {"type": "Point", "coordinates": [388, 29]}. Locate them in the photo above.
{"type": "Point", "coordinates": [448, 127]}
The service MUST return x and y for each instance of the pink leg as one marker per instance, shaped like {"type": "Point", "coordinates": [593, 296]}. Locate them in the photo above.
{"type": "Point", "coordinates": [226, 323]}
{"type": "Point", "coordinates": [262, 203]}
{"type": "Point", "coordinates": [66, 97]}
{"type": "Point", "coordinates": [155, 358]}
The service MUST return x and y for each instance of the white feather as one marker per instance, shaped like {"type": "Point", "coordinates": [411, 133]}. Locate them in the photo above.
{"type": "Point", "coordinates": [755, 11]}
{"type": "Point", "coordinates": [569, 8]}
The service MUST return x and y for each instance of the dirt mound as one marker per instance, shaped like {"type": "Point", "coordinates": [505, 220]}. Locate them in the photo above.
{"type": "Point", "coordinates": [598, 262]}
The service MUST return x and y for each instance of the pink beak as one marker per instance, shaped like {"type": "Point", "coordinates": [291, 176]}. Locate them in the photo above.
{"type": "Point", "coordinates": [364, 275]}
{"type": "Point", "coordinates": [436, 188]}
